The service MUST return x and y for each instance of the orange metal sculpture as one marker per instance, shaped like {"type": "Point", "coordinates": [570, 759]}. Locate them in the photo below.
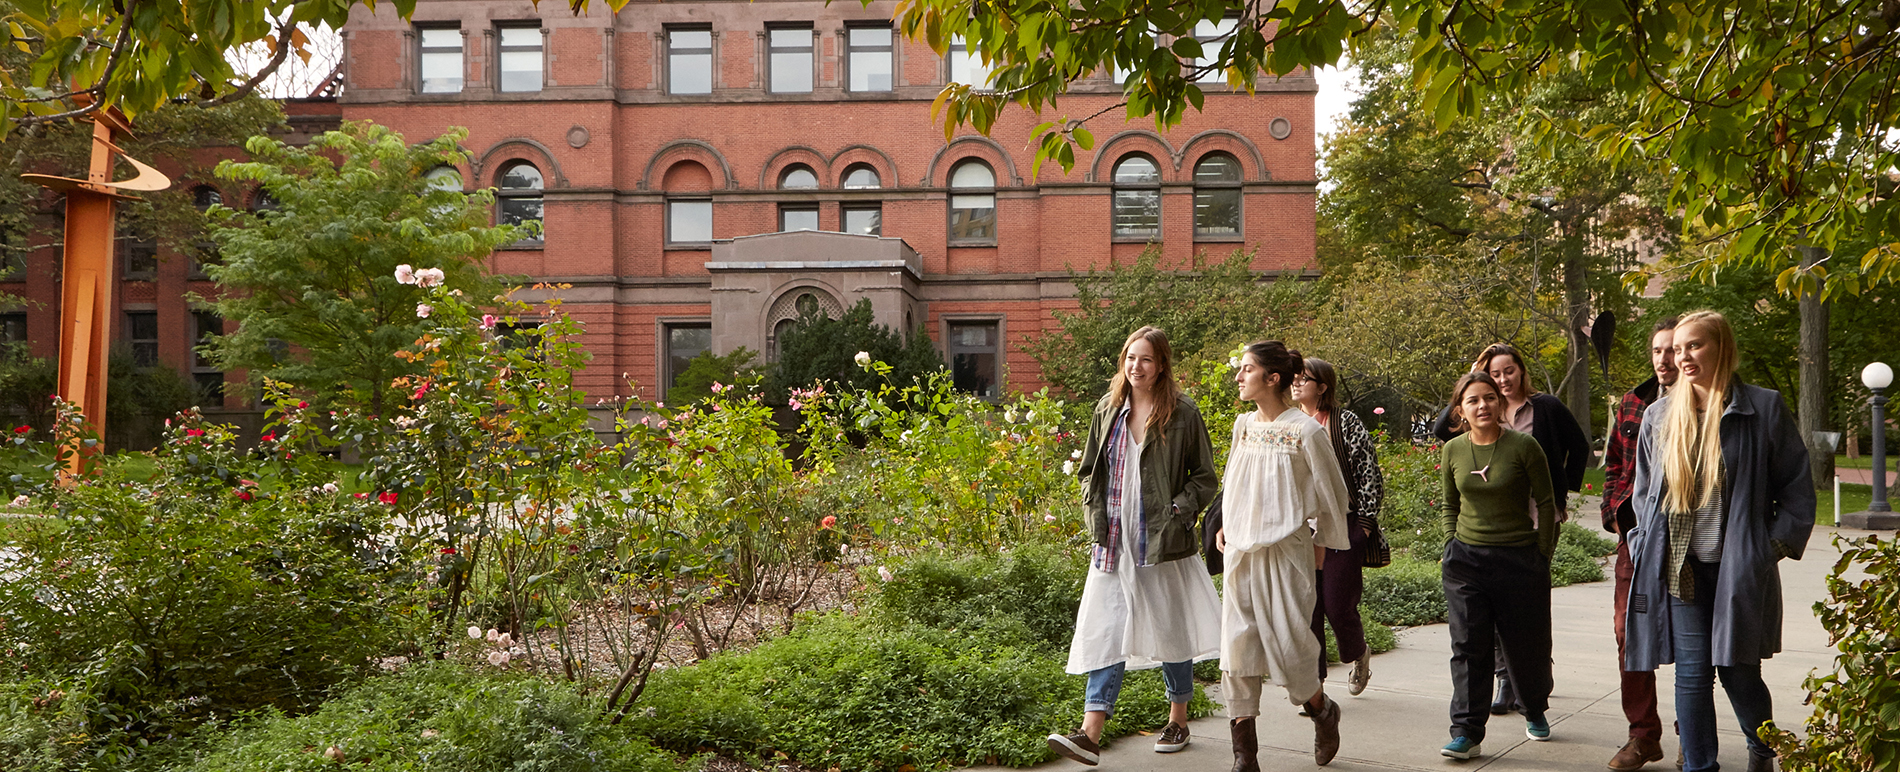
{"type": "Point", "coordinates": [85, 311]}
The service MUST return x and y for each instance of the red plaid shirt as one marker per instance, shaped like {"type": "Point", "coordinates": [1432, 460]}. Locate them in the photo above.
{"type": "Point", "coordinates": [1619, 458]}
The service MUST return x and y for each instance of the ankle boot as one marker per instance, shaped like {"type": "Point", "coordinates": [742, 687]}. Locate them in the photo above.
{"type": "Point", "coordinates": [1325, 732]}
{"type": "Point", "coordinates": [1246, 745]}
{"type": "Point", "coordinates": [1506, 700]}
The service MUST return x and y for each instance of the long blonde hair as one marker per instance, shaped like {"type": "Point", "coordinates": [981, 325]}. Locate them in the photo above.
{"type": "Point", "coordinates": [1691, 444]}
{"type": "Point", "coordinates": [1166, 390]}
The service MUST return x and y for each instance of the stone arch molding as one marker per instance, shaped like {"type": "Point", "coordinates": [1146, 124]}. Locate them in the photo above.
{"type": "Point", "coordinates": [855, 154]}
{"type": "Point", "coordinates": [518, 149]}
{"type": "Point", "coordinates": [791, 154]}
{"type": "Point", "coordinates": [1128, 141]}
{"type": "Point", "coordinates": [688, 148]}
{"type": "Point", "coordinates": [931, 174]}
{"type": "Point", "coordinates": [1210, 141]}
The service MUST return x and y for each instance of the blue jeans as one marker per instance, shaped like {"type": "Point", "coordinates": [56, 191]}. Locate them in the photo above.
{"type": "Point", "coordinates": [1105, 685]}
{"type": "Point", "coordinates": [1691, 624]}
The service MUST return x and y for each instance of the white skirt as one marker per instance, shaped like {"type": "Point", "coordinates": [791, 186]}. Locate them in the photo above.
{"type": "Point", "coordinates": [1142, 616]}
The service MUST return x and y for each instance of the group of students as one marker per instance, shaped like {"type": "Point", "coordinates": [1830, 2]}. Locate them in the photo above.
{"type": "Point", "coordinates": [1706, 487]}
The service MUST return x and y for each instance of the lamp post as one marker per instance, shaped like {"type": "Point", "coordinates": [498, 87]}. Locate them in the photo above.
{"type": "Point", "coordinates": [1879, 515]}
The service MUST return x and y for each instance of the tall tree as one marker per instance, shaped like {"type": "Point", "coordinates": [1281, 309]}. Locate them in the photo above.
{"type": "Point", "coordinates": [317, 271]}
{"type": "Point", "coordinates": [1501, 186]}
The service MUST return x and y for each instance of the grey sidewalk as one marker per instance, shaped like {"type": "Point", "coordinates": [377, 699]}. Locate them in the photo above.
{"type": "Point", "coordinates": [1401, 720]}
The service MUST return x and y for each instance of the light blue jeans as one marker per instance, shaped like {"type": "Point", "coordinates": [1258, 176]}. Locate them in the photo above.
{"type": "Point", "coordinates": [1692, 623]}
{"type": "Point", "coordinates": [1105, 685]}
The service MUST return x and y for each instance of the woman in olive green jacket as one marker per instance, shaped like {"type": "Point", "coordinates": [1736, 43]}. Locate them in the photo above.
{"type": "Point", "coordinates": [1147, 471]}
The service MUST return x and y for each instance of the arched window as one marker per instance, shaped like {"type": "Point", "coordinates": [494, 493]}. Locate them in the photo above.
{"type": "Point", "coordinates": [1137, 197]}
{"type": "Point", "coordinates": [1217, 196]}
{"type": "Point", "coordinates": [866, 217]}
{"type": "Point", "coordinates": [791, 308]}
{"type": "Point", "coordinates": [797, 177]}
{"type": "Point", "coordinates": [798, 215]}
{"type": "Point", "coordinates": [204, 197]}
{"type": "Point", "coordinates": [972, 203]}
{"type": "Point", "coordinates": [519, 196]}
{"type": "Point", "coordinates": [261, 201]}
{"type": "Point", "coordinates": [861, 176]}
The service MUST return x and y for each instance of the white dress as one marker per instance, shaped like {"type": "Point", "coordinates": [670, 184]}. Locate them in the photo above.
{"type": "Point", "coordinates": [1139, 615]}
{"type": "Point", "coordinates": [1283, 491]}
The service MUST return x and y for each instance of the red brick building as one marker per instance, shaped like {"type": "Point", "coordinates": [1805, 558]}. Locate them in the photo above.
{"type": "Point", "coordinates": [703, 168]}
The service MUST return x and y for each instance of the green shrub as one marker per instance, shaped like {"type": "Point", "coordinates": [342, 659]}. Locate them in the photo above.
{"type": "Point", "coordinates": [1856, 720]}
{"type": "Point", "coordinates": [857, 694]}
{"type": "Point", "coordinates": [1575, 561]}
{"type": "Point", "coordinates": [1379, 638]}
{"type": "Point", "coordinates": [819, 349]}
{"type": "Point", "coordinates": [1031, 590]}
{"type": "Point", "coordinates": [1409, 514]}
{"type": "Point", "coordinates": [181, 599]}
{"type": "Point", "coordinates": [695, 384]}
{"type": "Point", "coordinates": [43, 725]}
{"type": "Point", "coordinates": [439, 717]}
{"type": "Point", "coordinates": [1407, 593]}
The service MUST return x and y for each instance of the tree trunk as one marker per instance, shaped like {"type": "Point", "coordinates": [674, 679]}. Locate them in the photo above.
{"type": "Point", "coordinates": [1812, 412]}
{"type": "Point", "coordinates": [1576, 382]}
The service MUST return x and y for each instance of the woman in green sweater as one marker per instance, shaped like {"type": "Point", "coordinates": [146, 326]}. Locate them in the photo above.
{"type": "Point", "coordinates": [1501, 516]}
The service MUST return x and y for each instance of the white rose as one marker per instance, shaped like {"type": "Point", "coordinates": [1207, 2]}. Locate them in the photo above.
{"type": "Point", "coordinates": [430, 277]}
{"type": "Point", "coordinates": [883, 573]}
{"type": "Point", "coordinates": [1068, 468]}
{"type": "Point", "coordinates": [1076, 454]}
{"type": "Point", "coordinates": [329, 487]}
{"type": "Point", "coordinates": [423, 310]}
{"type": "Point", "coordinates": [474, 632]}
{"type": "Point", "coordinates": [863, 359]}
{"type": "Point", "coordinates": [405, 274]}
{"type": "Point", "coordinates": [497, 658]}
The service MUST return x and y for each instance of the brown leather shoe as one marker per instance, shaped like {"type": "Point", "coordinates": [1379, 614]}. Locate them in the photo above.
{"type": "Point", "coordinates": [1326, 733]}
{"type": "Point", "coordinates": [1635, 753]}
{"type": "Point", "coordinates": [1246, 745]}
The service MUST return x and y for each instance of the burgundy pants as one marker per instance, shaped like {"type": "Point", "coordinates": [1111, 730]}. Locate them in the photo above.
{"type": "Point", "coordinates": [1639, 686]}
{"type": "Point", "coordinates": [1341, 583]}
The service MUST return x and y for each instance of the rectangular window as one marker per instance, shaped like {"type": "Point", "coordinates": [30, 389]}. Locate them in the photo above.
{"type": "Point", "coordinates": [206, 326]}
{"type": "Point", "coordinates": [1217, 211]}
{"type": "Point", "coordinates": [689, 64]}
{"type": "Point", "coordinates": [870, 58]}
{"type": "Point", "coordinates": [864, 219]}
{"type": "Point", "coordinates": [1212, 34]}
{"type": "Point", "coordinates": [683, 342]}
{"type": "Point", "coordinates": [689, 222]}
{"type": "Point", "coordinates": [1137, 212]}
{"type": "Point", "coordinates": [798, 218]}
{"type": "Point", "coordinates": [789, 50]}
{"type": "Point", "coordinates": [13, 328]}
{"type": "Point", "coordinates": [141, 258]}
{"type": "Point", "coordinates": [1122, 73]}
{"type": "Point", "coordinates": [141, 328]}
{"type": "Point", "coordinates": [967, 66]}
{"type": "Point", "coordinates": [973, 217]}
{"type": "Point", "coordinates": [441, 60]}
{"type": "Point", "coordinates": [520, 59]}
{"type": "Point", "coordinates": [973, 357]}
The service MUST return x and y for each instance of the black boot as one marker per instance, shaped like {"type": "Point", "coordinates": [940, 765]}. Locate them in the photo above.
{"type": "Point", "coordinates": [1246, 745]}
{"type": "Point", "coordinates": [1506, 700]}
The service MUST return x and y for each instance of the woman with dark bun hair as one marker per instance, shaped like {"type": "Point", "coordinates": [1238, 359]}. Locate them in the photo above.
{"type": "Point", "coordinates": [1285, 502]}
{"type": "Point", "coordinates": [1147, 472]}
{"type": "Point", "coordinates": [1342, 572]}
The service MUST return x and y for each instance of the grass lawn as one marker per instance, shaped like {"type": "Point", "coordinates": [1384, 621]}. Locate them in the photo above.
{"type": "Point", "coordinates": [1864, 462]}
{"type": "Point", "coordinates": [1854, 498]}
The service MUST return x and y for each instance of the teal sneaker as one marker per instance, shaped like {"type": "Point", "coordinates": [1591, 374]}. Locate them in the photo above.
{"type": "Point", "coordinates": [1460, 748]}
{"type": "Point", "coordinates": [1537, 728]}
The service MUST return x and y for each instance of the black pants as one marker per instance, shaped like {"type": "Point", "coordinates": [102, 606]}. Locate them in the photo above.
{"type": "Point", "coordinates": [1496, 596]}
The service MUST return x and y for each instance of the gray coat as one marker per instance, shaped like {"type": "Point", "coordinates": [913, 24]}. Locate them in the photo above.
{"type": "Point", "coordinates": [1770, 514]}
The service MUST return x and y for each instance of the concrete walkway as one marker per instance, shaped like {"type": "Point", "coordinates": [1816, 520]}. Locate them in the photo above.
{"type": "Point", "coordinates": [1402, 719]}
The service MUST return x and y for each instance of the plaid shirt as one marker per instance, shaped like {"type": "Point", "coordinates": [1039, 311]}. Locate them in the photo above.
{"type": "Point", "coordinates": [1619, 458]}
{"type": "Point", "coordinates": [1107, 554]}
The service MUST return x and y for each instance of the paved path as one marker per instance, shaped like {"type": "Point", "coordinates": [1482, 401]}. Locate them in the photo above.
{"type": "Point", "coordinates": [1401, 721]}
{"type": "Point", "coordinates": [1865, 477]}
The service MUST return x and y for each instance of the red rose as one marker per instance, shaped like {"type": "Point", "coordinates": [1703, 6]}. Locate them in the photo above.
{"type": "Point", "coordinates": [243, 495]}
{"type": "Point", "coordinates": [829, 521]}
{"type": "Point", "coordinates": [448, 550]}
{"type": "Point", "coordinates": [268, 436]}
{"type": "Point", "coordinates": [22, 429]}
{"type": "Point", "coordinates": [360, 496]}
{"type": "Point", "coordinates": [302, 405]}
{"type": "Point", "coordinates": [386, 497]}
{"type": "Point", "coordinates": [194, 432]}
